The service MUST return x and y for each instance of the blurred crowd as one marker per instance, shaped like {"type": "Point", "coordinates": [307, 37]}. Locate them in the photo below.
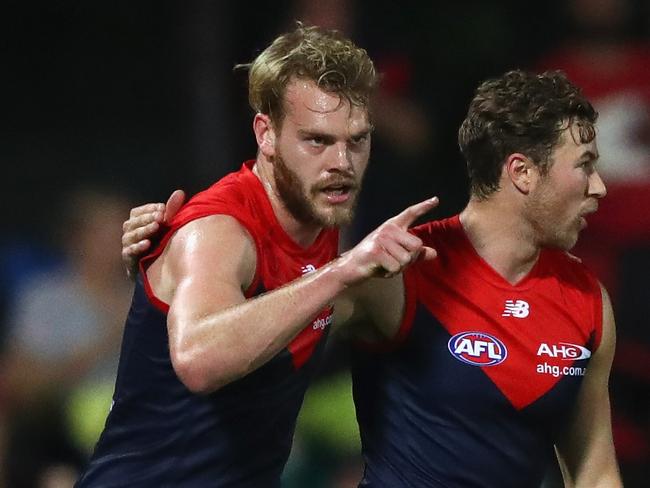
{"type": "Point", "coordinates": [169, 112]}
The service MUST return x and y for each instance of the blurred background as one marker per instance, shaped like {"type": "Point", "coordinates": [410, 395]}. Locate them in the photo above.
{"type": "Point", "coordinates": [106, 105]}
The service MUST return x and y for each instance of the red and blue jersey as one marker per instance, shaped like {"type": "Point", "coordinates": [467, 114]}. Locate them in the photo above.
{"type": "Point", "coordinates": [485, 375]}
{"type": "Point", "coordinates": [158, 433]}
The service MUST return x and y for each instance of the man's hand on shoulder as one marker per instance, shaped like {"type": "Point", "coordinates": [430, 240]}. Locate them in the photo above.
{"type": "Point", "coordinates": [143, 224]}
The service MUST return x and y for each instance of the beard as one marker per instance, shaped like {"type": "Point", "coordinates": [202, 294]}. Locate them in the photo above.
{"type": "Point", "coordinates": [301, 201]}
{"type": "Point", "coordinates": [554, 230]}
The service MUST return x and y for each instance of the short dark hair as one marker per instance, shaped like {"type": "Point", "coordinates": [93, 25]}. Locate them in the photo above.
{"type": "Point", "coordinates": [519, 112]}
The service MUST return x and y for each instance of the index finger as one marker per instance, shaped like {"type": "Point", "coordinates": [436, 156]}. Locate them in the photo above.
{"type": "Point", "coordinates": [410, 214]}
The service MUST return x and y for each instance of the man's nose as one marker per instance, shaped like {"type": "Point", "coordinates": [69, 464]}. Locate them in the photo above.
{"type": "Point", "coordinates": [340, 159]}
{"type": "Point", "coordinates": [596, 185]}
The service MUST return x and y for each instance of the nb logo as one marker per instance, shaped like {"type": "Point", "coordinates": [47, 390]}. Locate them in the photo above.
{"type": "Point", "coordinates": [519, 309]}
{"type": "Point", "coordinates": [310, 268]}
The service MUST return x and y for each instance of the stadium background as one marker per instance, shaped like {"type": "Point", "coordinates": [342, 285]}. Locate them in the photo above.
{"type": "Point", "coordinates": [123, 101]}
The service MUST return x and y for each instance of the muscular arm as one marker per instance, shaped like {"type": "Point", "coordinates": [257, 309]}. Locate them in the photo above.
{"type": "Point", "coordinates": [586, 452]}
{"type": "Point", "coordinates": [371, 311]}
{"type": "Point", "coordinates": [216, 335]}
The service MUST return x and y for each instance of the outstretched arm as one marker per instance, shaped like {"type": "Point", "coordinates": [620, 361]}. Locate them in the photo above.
{"type": "Point", "coordinates": [586, 451]}
{"type": "Point", "coordinates": [216, 335]}
{"type": "Point", "coordinates": [143, 224]}
{"type": "Point", "coordinates": [373, 310]}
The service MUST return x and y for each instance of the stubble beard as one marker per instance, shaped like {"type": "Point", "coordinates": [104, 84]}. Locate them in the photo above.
{"type": "Point", "coordinates": [301, 201]}
{"type": "Point", "coordinates": [544, 211]}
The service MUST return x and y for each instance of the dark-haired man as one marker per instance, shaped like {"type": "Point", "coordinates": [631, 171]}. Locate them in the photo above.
{"type": "Point", "coordinates": [506, 341]}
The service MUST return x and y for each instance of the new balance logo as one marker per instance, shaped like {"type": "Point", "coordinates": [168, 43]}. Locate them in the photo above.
{"type": "Point", "coordinates": [310, 268]}
{"type": "Point", "coordinates": [518, 309]}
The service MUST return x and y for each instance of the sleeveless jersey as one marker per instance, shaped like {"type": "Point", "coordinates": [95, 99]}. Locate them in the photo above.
{"type": "Point", "coordinates": [485, 373]}
{"type": "Point", "coordinates": [158, 433]}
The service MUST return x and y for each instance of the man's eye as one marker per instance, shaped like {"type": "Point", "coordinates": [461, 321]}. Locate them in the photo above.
{"type": "Point", "coordinates": [587, 166]}
{"type": "Point", "coordinates": [316, 141]}
{"type": "Point", "coordinates": [360, 139]}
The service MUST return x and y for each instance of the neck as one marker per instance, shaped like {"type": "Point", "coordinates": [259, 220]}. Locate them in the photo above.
{"type": "Point", "coordinates": [501, 237]}
{"type": "Point", "coordinates": [302, 233]}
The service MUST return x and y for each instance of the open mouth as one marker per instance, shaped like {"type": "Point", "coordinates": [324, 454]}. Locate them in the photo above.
{"type": "Point", "coordinates": [588, 211]}
{"type": "Point", "coordinates": [337, 193]}
{"type": "Point", "coordinates": [582, 222]}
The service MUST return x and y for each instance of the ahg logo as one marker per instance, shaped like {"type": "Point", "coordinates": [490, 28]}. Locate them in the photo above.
{"type": "Point", "coordinates": [564, 350]}
{"type": "Point", "coordinates": [321, 323]}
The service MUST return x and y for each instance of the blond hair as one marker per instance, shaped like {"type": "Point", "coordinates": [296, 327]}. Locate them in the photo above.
{"type": "Point", "coordinates": [325, 57]}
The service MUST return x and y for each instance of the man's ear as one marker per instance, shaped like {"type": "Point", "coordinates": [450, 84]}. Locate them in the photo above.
{"type": "Point", "coordinates": [519, 170]}
{"type": "Point", "coordinates": [264, 134]}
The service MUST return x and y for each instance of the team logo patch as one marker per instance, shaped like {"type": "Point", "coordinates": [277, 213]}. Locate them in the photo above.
{"type": "Point", "coordinates": [564, 350]}
{"type": "Point", "coordinates": [477, 349]}
{"type": "Point", "coordinates": [516, 308]}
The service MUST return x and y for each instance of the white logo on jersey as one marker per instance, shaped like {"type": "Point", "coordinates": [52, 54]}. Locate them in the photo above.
{"type": "Point", "coordinates": [310, 268]}
{"type": "Point", "coordinates": [321, 323]}
{"type": "Point", "coordinates": [477, 348]}
{"type": "Point", "coordinates": [564, 350]}
{"type": "Point", "coordinates": [518, 309]}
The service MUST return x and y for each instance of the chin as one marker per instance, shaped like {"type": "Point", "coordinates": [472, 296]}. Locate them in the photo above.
{"type": "Point", "coordinates": [564, 242]}
{"type": "Point", "coordinates": [568, 242]}
{"type": "Point", "coordinates": [336, 219]}
{"type": "Point", "coordinates": [334, 215]}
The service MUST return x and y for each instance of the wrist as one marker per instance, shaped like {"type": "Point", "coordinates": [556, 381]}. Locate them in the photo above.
{"type": "Point", "coordinates": [342, 273]}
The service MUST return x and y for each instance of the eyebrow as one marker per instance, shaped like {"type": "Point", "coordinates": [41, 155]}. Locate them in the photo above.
{"type": "Point", "coordinates": [317, 133]}
{"type": "Point", "coordinates": [308, 134]}
{"type": "Point", "coordinates": [590, 155]}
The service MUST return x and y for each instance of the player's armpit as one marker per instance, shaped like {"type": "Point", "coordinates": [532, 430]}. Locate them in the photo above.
{"type": "Point", "coordinates": [375, 310]}
{"type": "Point", "coordinates": [586, 450]}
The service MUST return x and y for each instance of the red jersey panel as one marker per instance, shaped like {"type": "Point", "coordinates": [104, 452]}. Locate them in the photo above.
{"type": "Point", "coordinates": [158, 433]}
{"type": "Point", "coordinates": [542, 324]}
{"type": "Point", "coordinates": [485, 375]}
{"type": "Point", "coordinates": [279, 258]}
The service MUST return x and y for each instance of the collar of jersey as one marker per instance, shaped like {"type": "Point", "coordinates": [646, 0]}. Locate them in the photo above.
{"type": "Point", "coordinates": [487, 272]}
{"type": "Point", "coordinates": [275, 231]}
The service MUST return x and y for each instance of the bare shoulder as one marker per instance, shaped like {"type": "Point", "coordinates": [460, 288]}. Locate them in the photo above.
{"type": "Point", "coordinates": [214, 233]}
{"type": "Point", "coordinates": [215, 247]}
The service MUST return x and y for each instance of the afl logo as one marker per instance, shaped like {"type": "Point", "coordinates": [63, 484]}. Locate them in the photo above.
{"type": "Point", "coordinates": [477, 349]}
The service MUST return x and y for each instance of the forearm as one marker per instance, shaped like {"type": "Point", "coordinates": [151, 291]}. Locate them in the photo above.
{"type": "Point", "coordinates": [611, 479]}
{"type": "Point", "coordinates": [210, 351]}
{"type": "Point", "coordinates": [216, 335]}
{"type": "Point", "coordinates": [608, 477]}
